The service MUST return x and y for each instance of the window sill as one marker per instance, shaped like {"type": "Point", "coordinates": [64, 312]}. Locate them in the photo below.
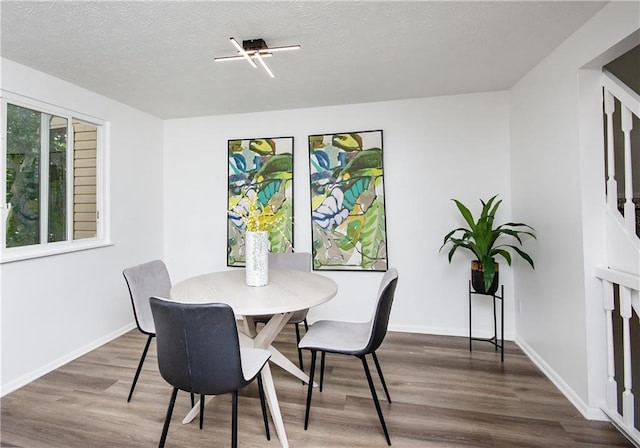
{"type": "Point", "coordinates": [30, 252]}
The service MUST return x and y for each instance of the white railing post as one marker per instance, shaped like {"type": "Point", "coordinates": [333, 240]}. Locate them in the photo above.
{"type": "Point", "coordinates": [628, 286]}
{"type": "Point", "coordinates": [612, 185]}
{"type": "Point", "coordinates": [627, 395]}
{"type": "Point", "coordinates": [629, 206]}
{"type": "Point", "coordinates": [612, 386]}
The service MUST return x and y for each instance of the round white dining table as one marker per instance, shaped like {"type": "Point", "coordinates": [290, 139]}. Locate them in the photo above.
{"type": "Point", "coordinates": [286, 292]}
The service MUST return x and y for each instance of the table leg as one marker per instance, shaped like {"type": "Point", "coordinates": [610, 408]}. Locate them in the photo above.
{"type": "Point", "coordinates": [272, 401]}
{"type": "Point", "coordinates": [274, 406]}
{"type": "Point", "coordinates": [264, 339]}
{"type": "Point", "coordinates": [249, 326]}
{"type": "Point", "coordinates": [282, 361]}
{"type": "Point", "coordinates": [195, 410]}
{"type": "Point", "coordinates": [272, 329]}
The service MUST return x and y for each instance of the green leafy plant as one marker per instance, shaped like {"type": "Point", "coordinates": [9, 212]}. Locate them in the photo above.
{"type": "Point", "coordinates": [486, 241]}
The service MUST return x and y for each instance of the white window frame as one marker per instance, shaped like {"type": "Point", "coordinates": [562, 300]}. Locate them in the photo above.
{"type": "Point", "coordinates": [103, 230]}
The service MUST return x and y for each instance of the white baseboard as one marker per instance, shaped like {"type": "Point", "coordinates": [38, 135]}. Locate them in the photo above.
{"type": "Point", "coordinates": [34, 375]}
{"type": "Point", "coordinates": [588, 412]}
{"type": "Point", "coordinates": [632, 434]}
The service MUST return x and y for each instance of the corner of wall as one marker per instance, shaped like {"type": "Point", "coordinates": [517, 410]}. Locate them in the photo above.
{"type": "Point", "coordinates": [588, 412]}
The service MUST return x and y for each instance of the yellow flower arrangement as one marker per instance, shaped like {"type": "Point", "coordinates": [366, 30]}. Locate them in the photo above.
{"type": "Point", "coordinates": [259, 219]}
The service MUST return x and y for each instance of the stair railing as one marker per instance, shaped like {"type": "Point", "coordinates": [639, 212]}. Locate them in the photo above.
{"type": "Point", "coordinates": [621, 300]}
{"type": "Point", "coordinates": [614, 89]}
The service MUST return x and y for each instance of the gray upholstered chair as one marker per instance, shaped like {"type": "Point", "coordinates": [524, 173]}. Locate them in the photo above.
{"type": "Point", "coordinates": [145, 280]}
{"type": "Point", "coordinates": [199, 352]}
{"type": "Point", "coordinates": [357, 339]}
{"type": "Point", "coordinates": [298, 261]}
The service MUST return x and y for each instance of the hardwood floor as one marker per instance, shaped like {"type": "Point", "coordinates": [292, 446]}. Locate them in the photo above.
{"type": "Point", "coordinates": [443, 396]}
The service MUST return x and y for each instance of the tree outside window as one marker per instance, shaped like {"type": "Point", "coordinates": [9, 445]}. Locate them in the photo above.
{"type": "Point", "coordinates": [38, 178]}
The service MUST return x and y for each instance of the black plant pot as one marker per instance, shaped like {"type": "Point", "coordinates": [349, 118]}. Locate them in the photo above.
{"type": "Point", "coordinates": [477, 278]}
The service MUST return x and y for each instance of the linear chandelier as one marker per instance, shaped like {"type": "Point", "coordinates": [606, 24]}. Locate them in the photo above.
{"type": "Point", "coordinates": [255, 49]}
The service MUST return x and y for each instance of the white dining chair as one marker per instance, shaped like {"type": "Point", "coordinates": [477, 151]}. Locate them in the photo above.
{"type": "Point", "coordinates": [145, 280]}
{"type": "Point", "coordinates": [354, 338]}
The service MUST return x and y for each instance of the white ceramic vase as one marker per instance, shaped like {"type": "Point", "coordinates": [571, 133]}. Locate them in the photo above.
{"type": "Point", "coordinates": [257, 258]}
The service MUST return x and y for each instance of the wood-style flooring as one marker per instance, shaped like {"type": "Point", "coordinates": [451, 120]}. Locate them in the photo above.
{"type": "Point", "coordinates": [442, 396]}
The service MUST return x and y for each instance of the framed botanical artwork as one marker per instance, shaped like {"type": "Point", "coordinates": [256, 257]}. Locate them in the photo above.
{"type": "Point", "coordinates": [260, 194]}
{"type": "Point", "coordinates": [348, 222]}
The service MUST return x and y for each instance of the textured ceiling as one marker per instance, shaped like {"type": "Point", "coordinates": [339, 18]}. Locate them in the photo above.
{"type": "Point", "coordinates": [157, 56]}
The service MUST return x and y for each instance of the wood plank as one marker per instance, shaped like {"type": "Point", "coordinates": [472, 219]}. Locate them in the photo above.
{"type": "Point", "coordinates": [84, 163]}
{"type": "Point", "coordinates": [85, 153]}
{"type": "Point", "coordinates": [85, 189]}
{"type": "Point", "coordinates": [84, 180]}
{"type": "Point", "coordinates": [84, 198]}
{"type": "Point", "coordinates": [85, 135]}
{"type": "Point", "coordinates": [82, 234]}
{"type": "Point", "coordinates": [80, 126]}
{"type": "Point", "coordinates": [84, 172]}
{"type": "Point", "coordinates": [84, 145]}
{"type": "Point", "coordinates": [87, 226]}
{"type": "Point", "coordinates": [85, 208]}
{"type": "Point", "coordinates": [84, 217]}
{"type": "Point", "coordinates": [443, 396]}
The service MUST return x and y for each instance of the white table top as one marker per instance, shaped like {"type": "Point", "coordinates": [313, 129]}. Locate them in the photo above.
{"type": "Point", "coordinates": [286, 292]}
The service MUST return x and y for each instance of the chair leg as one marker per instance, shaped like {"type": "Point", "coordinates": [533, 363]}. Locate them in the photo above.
{"type": "Point", "coordinates": [263, 407]}
{"type": "Point", "coordinates": [193, 399]}
{"type": "Point", "coordinates": [310, 389]}
{"type": "Point", "coordinates": [167, 419]}
{"type": "Point", "coordinates": [234, 419]}
{"type": "Point", "coordinates": [384, 384]}
{"type": "Point", "coordinates": [375, 398]}
{"type": "Point", "coordinates": [306, 324]}
{"type": "Point", "coordinates": [144, 355]}
{"type": "Point", "coordinates": [299, 351]}
{"type": "Point", "coordinates": [201, 410]}
{"type": "Point", "coordinates": [322, 369]}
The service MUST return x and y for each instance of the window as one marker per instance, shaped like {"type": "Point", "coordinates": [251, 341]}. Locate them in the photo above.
{"type": "Point", "coordinates": [52, 180]}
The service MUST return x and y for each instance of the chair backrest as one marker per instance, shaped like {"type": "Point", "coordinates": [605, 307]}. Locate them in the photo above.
{"type": "Point", "coordinates": [146, 280]}
{"type": "Point", "coordinates": [198, 348]}
{"type": "Point", "coordinates": [296, 261]}
{"type": "Point", "coordinates": [380, 320]}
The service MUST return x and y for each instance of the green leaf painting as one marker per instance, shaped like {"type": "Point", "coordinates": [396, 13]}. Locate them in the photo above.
{"type": "Point", "coordinates": [347, 201]}
{"type": "Point", "coordinates": [260, 177]}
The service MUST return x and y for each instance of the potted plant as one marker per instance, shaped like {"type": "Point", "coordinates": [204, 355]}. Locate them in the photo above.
{"type": "Point", "coordinates": [486, 242]}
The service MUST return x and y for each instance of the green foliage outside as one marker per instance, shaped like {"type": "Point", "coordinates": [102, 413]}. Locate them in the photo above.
{"type": "Point", "coordinates": [23, 178]}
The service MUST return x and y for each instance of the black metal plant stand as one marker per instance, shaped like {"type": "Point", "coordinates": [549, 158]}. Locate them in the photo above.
{"type": "Point", "coordinates": [492, 340]}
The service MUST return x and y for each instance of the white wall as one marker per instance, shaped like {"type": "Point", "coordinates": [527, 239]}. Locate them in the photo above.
{"type": "Point", "coordinates": [557, 186]}
{"type": "Point", "coordinates": [58, 307]}
{"type": "Point", "coordinates": [434, 149]}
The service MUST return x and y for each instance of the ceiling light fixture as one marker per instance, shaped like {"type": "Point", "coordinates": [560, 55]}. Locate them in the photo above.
{"type": "Point", "coordinates": [264, 65]}
{"type": "Point", "coordinates": [255, 49]}
{"type": "Point", "coordinates": [243, 52]}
